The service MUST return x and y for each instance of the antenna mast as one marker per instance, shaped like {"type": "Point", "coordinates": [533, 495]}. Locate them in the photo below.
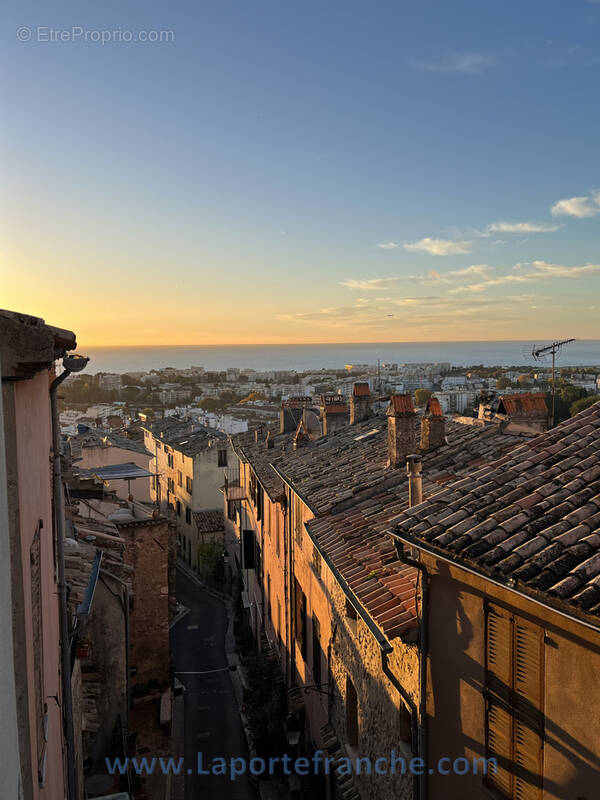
{"type": "Point", "coordinates": [539, 353]}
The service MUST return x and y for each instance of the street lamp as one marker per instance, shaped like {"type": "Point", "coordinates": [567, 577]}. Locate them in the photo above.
{"type": "Point", "coordinates": [292, 730]}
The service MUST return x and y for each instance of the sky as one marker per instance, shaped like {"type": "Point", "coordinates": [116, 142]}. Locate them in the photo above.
{"type": "Point", "coordinates": [221, 172]}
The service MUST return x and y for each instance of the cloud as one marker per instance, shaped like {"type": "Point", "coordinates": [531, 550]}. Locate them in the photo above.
{"type": "Point", "coordinates": [433, 276]}
{"type": "Point", "coordinates": [580, 207]}
{"type": "Point", "coordinates": [369, 285]}
{"type": "Point", "coordinates": [388, 245]}
{"type": "Point", "coordinates": [439, 247]}
{"type": "Point", "coordinates": [468, 63]}
{"type": "Point", "coordinates": [521, 227]}
{"type": "Point", "coordinates": [531, 273]}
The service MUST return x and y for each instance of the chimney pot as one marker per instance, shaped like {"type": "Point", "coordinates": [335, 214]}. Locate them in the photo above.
{"type": "Point", "coordinates": [414, 468]}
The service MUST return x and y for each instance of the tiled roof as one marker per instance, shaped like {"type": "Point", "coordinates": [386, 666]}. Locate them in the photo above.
{"type": "Point", "coordinates": [188, 438]}
{"type": "Point", "coordinates": [531, 518]}
{"type": "Point", "coordinates": [261, 457]}
{"type": "Point", "coordinates": [352, 463]}
{"type": "Point", "coordinates": [401, 404]}
{"type": "Point", "coordinates": [361, 390]}
{"type": "Point", "coordinates": [95, 437]}
{"type": "Point", "coordinates": [355, 497]}
{"type": "Point", "coordinates": [209, 521]}
{"type": "Point", "coordinates": [530, 404]}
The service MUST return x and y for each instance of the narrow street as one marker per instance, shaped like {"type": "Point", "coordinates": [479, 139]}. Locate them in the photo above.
{"type": "Point", "coordinates": [212, 722]}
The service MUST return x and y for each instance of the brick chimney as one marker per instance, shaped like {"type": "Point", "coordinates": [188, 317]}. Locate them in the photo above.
{"type": "Point", "coordinates": [334, 413]}
{"type": "Point", "coordinates": [360, 403]}
{"type": "Point", "coordinates": [402, 436]}
{"type": "Point", "coordinates": [433, 426]}
{"type": "Point", "coordinates": [290, 413]}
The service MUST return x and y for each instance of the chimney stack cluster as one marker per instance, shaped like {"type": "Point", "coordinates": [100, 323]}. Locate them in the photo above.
{"type": "Point", "coordinates": [403, 448]}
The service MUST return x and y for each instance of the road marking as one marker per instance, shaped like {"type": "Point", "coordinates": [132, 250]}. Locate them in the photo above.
{"type": "Point", "coordinates": [192, 627]}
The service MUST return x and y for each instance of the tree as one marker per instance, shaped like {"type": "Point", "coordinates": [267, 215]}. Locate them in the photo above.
{"type": "Point", "coordinates": [422, 396]}
{"type": "Point", "coordinates": [503, 383]}
{"type": "Point", "coordinates": [583, 403]}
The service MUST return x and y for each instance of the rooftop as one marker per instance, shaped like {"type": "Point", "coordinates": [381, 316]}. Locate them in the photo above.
{"type": "Point", "coordinates": [209, 521]}
{"type": "Point", "coordinates": [530, 519]}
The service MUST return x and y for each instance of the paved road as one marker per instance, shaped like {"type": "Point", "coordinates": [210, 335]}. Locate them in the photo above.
{"type": "Point", "coordinates": [212, 722]}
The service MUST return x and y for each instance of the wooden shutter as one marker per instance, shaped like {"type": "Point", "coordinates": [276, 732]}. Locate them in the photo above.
{"type": "Point", "coordinates": [514, 703]}
{"type": "Point", "coordinates": [499, 723]}
{"type": "Point", "coordinates": [528, 723]}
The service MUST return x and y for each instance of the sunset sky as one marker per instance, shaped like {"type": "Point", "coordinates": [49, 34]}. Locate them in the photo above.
{"type": "Point", "coordinates": [307, 171]}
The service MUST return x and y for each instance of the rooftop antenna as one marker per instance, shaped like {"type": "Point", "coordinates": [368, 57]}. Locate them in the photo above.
{"type": "Point", "coordinates": [541, 354]}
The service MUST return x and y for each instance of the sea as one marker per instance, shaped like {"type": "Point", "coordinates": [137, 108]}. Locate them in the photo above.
{"type": "Point", "coordinates": [308, 357]}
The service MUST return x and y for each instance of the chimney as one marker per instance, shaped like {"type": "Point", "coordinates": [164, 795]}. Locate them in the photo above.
{"type": "Point", "coordinates": [334, 413]}
{"type": "Point", "coordinates": [433, 426]}
{"type": "Point", "coordinates": [360, 403]}
{"type": "Point", "coordinates": [401, 429]}
{"type": "Point", "coordinates": [414, 468]}
{"type": "Point", "coordinates": [291, 411]}
{"type": "Point", "coordinates": [269, 443]}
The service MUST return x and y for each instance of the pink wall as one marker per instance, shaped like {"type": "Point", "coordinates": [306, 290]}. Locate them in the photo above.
{"type": "Point", "coordinates": [34, 444]}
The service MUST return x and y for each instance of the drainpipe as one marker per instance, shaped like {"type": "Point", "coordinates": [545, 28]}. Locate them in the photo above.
{"type": "Point", "coordinates": [65, 650]}
{"type": "Point", "coordinates": [423, 651]}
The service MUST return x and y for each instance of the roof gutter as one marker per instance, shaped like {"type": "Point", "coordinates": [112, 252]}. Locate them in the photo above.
{"type": "Point", "coordinates": [411, 542]}
{"type": "Point", "coordinates": [296, 491]}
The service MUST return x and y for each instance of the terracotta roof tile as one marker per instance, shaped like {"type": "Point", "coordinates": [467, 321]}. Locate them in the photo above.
{"type": "Point", "coordinates": [549, 506]}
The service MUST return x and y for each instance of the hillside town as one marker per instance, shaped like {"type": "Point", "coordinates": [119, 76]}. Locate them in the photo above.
{"type": "Point", "coordinates": [387, 576]}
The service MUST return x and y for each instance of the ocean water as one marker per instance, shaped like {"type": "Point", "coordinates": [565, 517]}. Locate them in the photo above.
{"type": "Point", "coordinates": [330, 356]}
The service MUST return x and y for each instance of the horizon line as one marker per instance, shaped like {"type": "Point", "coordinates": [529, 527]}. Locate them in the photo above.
{"type": "Point", "coordinates": [318, 344]}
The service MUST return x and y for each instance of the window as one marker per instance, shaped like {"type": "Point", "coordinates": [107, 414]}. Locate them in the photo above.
{"type": "Point", "coordinates": [276, 531]}
{"type": "Point", "coordinates": [221, 458]}
{"type": "Point", "coordinates": [269, 596]}
{"type": "Point", "coordinates": [178, 506]}
{"type": "Point", "coordinates": [300, 617]}
{"type": "Point", "coordinates": [514, 724]}
{"type": "Point", "coordinates": [188, 515]}
{"type": "Point", "coordinates": [170, 485]}
{"type": "Point", "coordinates": [179, 478]}
{"type": "Point", "coordinates": [170, 459]}
{"type": "Point", "coordinates": [298, 520]}
{"type": "Point", "coordinates": [316, 561]}
{"type": "Point", "coordinates": [188, 484]}
{"type": "Point", "coordinates": [351, 713]}
{"type": "Point", "coordinates": [316, 650]}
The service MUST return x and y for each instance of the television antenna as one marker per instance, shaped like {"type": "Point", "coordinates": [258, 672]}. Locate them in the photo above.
{"type": "Point", "coordinates": [544, 352]}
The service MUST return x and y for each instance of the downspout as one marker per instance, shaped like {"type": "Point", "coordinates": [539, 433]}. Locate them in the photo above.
{"type": "Point", "coordinates": [65, 650]}
{"type": "Point", "coordinates": [423, 652]}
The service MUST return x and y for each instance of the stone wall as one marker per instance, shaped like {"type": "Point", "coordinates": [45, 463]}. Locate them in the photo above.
{"type": "Point", "coordinates": [147, 552]}
{"type": "Point", "coordinates": [382, 715]}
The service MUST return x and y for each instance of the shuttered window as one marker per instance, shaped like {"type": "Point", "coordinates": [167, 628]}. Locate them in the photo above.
{"type": "Point", "coordinates": [514, 701]}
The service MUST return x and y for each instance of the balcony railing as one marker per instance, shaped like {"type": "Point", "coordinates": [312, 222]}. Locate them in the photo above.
{"type": "Point", "coordinates": [231, 485]}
